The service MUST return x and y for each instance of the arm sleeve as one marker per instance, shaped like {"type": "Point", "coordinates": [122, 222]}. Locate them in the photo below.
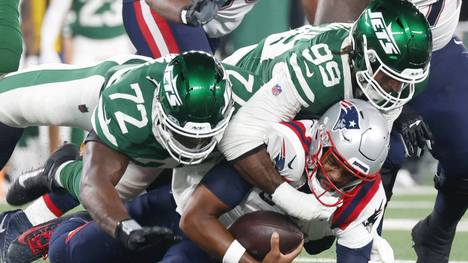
{"type": "Point", "coordinates": [275, 101]}
{"type": "Point", "coordinates": [353, 255]}
{"type": "Point", "coordinates": [224, 182]}
{"type": "Point", "coordinates": [228, 18]}
{"type": "Point", "coordinates": [51, 28]}
{"type": "Point", "coordinates": [287, 143]}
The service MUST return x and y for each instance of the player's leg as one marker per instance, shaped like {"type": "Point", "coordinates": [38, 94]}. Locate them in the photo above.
{"type": "Point", "coordinates": [11, 47]}
{"type": "Point", "coordinates": [443, 106]}
{"type": "Point", "coordinates": [186, 251]}
{"type": "Point", "coordinates": [82, 240]}
{"type": "Point", "coordinates": [54, 94]}
{"type": "Point", "coordinates": [33, 184]}
{"type": "Point", "coordinates": [433, 236]}
{"type": "Point", "coordinates": [49, 207]}
{"type": "Point", "coordinates": [13, 223]}
{"type": "Point", "coordinates": [154, 36]}
{"type": "Point", "coordinates": [63, 171]}
{"type": "Point", "coordinates": [78, 241]}
{"type": "Point", "coordinates": [11, 44]}
{"type": "Point", "coordinates": [32, 244]}
{"type": "Point", "coordinates": [10, 136]}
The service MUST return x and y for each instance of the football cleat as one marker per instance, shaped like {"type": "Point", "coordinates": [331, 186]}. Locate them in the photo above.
{"type": "Point", "coordinates": [32, 184]}
{"type": "Point", "coordinates": [33, 244]}
{"type": "Point", "coordinates": [12, 224]}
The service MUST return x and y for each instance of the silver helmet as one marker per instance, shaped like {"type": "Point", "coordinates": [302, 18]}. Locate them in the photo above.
{"type": "Point", "coordinates": [353, 137]}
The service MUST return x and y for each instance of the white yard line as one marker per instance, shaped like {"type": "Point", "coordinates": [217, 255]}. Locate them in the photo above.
{"type": "Point", "coordinates": [331, 260]}
{"type": "Point", "coordinates": [407, 224]}
{"type": "Point", "coordinates": [414, 190]}
{"type": "Point", "coordinates": [411, 204]}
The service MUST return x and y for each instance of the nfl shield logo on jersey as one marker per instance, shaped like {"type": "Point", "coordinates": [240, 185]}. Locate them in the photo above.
{"type": "Point", "coordinates": [276, 90]}
{"type": "Point", "coordinates": [349, 116]}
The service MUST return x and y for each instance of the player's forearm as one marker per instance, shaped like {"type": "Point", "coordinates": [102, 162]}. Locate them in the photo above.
{"type": "Point", "coordinates": [202, 213]}
{"type": "Point", "coordinates": [169, 9]}
{"type": "Point", "coordinates": [101, 172]}
{"type": "Point", "coordinates": [258, 169]}
{"type": "Point", "coordinates": [104, 205]}
{"type": "Point", "coordinates": [216, 241]}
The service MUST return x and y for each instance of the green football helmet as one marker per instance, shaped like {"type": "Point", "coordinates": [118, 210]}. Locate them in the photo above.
{"type": "Point", "coordinates": [193, 107]}
{"type": "Point", "coordinates": [392, 43]}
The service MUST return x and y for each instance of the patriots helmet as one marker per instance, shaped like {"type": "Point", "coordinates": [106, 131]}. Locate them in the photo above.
{"type": "Point", "coordinates": [192, 107]}
{"type": "Point", "coordinates": [392, 44]}
{"type": "Point", "coordinates": [352, 141]}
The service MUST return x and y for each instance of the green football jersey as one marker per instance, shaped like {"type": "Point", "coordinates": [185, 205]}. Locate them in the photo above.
{"type": "Point", "coordinates": [96, 19]}
{"type": "Point", "coordinates": [318, 69]}
{"type": "Point", "coordinates": [123, 117]}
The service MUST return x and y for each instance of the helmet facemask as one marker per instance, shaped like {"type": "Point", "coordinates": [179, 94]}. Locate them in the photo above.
{"type": "Point", "coordinates": [190, 144]}
{"type": "Point", "coordinates": [367, 79]}
{"type": "Point", "coordinates": [322, 184]}
{"type": "Point", "coordinates": [349, 148]}
{"type": "Point", "coordinates": [191, 140]}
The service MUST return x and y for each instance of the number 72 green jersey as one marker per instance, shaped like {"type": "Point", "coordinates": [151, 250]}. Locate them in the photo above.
{"type": "Point", "coordinates": [124, 116]}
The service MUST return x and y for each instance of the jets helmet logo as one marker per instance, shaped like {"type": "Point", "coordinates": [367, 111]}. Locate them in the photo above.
{"type": "Point", "coordinates": [383, 33]}
{"type": "Point", "coordinates": [349, 116]}
{"type": "Point", "coordinates": [169, 88]}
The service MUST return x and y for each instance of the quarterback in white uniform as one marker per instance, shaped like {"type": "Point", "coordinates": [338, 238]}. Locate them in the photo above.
{"type": "Point", "coordinates": [348, 202]}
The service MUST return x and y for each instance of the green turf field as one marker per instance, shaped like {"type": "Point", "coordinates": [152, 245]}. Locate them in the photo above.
{"type": "Point", "coordinates": [406, 209]}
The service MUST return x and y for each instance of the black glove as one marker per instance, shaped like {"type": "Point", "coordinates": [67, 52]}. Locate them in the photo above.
{"type": "Point", "coordinates": [137, 238]}
{"type": "Point", "coordinates": [200, 12]}
{"type": "Point", "coordinates": [414, 132]}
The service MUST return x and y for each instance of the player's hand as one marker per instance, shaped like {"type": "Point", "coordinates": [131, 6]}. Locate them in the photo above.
{"type": "Point", "coordinates": [200, 12]}
{"type": "Point", "coordinates": [275, 255]}
{"type": "Point", "coordinates": [301, 205]}
{"type": "Point", "coordinates": [414, 132]}
{"type": "Point", "coordinates": [136, 238]}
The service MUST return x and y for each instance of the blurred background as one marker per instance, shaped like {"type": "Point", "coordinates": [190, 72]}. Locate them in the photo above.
{"type": "Point", "coordinates": [51, 36]}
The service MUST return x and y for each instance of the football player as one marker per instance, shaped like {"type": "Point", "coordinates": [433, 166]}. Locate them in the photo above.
{"type": "Point", "coordinates": [94, 26]}
{"type": "Point", "coordinates": [442, 105]}
{"type": "Point", "coordinates": [159, 114]}
{"type": "Point", "coordinates": [308, 70]}
{"type": "Point", "coordinates": [338, 159]}
{"type": "Point", "coordinates": [364, 59]}
{"type": "Point", "coordinates": [159, 27]}
{"type": "Point", "coordinates": [324, 155]}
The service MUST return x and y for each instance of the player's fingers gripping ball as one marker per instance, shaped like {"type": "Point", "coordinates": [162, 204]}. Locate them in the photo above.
{"type": "Point", "coordinates": [254, 230]}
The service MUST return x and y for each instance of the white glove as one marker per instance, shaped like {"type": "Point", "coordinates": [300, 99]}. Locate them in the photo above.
{"type": "Point", "coordinates": [301, 205]}
{"type": "Point", "coordinates": [381, 252]}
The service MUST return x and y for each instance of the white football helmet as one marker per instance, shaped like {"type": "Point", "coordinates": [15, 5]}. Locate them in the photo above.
{"type": "Point", "coordinates": [353, 137]}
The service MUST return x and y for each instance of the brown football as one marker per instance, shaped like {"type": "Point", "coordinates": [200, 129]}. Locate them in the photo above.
{"type": "Point", "coordinates": [254, 232]}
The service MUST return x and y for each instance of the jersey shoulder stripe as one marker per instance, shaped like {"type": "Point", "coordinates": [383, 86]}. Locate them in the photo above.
{"type": "Point", "coordinates": [299, 129]}
{"type": "Point", "coordinates": [352, 207]}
